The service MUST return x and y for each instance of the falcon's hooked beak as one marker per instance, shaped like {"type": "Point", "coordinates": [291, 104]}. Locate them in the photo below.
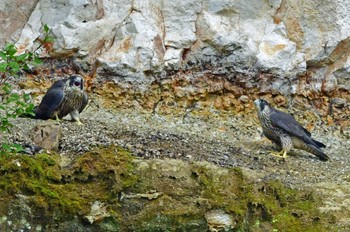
{"type": "Point", "coordinates": [260, 104]}
{"type": "Point", "coordinates": [77, 82]}
{"type": "Point", "coordinates": [257, 104]}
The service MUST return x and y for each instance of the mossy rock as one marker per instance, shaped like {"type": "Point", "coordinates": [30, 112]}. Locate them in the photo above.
{"type": "Point", "coordinates": [110, 190]}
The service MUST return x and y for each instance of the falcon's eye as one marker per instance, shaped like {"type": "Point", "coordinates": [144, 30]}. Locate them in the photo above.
{"type": "Point", "coordinates": [77, 83]}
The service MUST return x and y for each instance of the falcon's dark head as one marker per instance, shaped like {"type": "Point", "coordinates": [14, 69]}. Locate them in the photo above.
{"type": "Point", "coordinates": [76, 82]}
{"type": "Point", "coordinates": [261, 104]}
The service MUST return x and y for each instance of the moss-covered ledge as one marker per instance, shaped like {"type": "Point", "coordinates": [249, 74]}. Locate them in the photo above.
{"type": "Point", "coordinates": [110, 190]}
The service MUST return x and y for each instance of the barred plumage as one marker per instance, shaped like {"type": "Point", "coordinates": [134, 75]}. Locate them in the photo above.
{"type": "Point", "coordinates": [282, 129]}
{"type": "Point", "coordinates": [62, 98]}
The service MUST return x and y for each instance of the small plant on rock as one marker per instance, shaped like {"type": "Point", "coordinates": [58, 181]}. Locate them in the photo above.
{"type": "Point", "coordinates": [13, 104]}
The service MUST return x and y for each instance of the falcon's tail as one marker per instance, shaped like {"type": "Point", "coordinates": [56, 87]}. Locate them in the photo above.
{"type": "Point", "coordinates": [317, 152]}
{"type": "Point", "coordinates": [319, 144]}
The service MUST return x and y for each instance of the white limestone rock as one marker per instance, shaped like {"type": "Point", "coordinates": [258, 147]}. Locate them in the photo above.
{"type": "Point", "coordinates": [172, 57]}
{"type": "Point", "coordinates": [179, 22]}
{"type": "Point", "coordinates": [132, 37]}
{"type": "Point", "coordinates": [13, 16]}
{"type": "Point", "coordinates": [278, 53]}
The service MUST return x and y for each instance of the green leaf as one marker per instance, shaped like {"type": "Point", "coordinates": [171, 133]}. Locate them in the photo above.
{"type": "Point", "coordinates": [37, 60]}
{"type": "Point", "coordinates": [20, 103]}
{"type": "Point", "coordinates": [14, 97]}
{"type": "Point", "coordinates": [6, 147]}
{"type": "Point", "coordinates": [12, 147]}
{"type": "Point", "coordinates": [7, 88]}
{"type": "Point", "coordinates": [26, 97]}
{"type": "Point", "coordinates": [10, 49]}
{"type": "Point", "coordinates": [26, 67]}
{"type": "Point", "coordinates": [30, 55]}
{"type": "Point", "coordinates": [10, 115]}
{"type": "Point", "coordinates": [17, 147]}
{"type": "Point", "coordinates": [3, 67]}
{"type": "Point", "coordinates": [14, 66]}
{"type": "Point", "coordinates": [30, 107]}
{"type": "Point", "coordinates": [5, 124]}
{"type": "Point", "coordinates": [22, 57]}
{"type": "Point", "coordinates": [46, 28]}
{"type": "Point", "coordinates": [48, 39]}
{"type": "Point", "coordinates": [11, 65]}
{"type": "Point", "coordinates": [30, 113]}
{"type": "Point", "coordinates": [2, 55]}
{"type": "Point", "coordinates": [19, 111]}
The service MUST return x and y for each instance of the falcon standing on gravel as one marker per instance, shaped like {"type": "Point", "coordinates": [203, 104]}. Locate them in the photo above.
{"type": "Point", "coordinates": [282, 129]}
{"type": "Point", "coordinates": [62, 98]}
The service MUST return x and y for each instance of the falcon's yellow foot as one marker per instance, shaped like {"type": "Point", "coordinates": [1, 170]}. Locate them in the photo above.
{"type": "Point", "coordinates": [57, 118]}
{"type": "Point", "coordinates": [280, 154]}
{"type": "Point", "coordinates": [79, 122]}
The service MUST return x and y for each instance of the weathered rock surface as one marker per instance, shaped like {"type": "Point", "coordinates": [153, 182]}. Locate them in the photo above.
{"type": "Point", "coordinates": [47, 135]}
{"type": "Point", "coordinates": [131, 38]}
{"type": "Point", "coordinates": [93, 194]}
{"type": "Point", "coordinates": [167, 56]}
{"type": "Point", "coordinates": [218, 220]}
{"type": "Point", "coordinates": [13, 17]}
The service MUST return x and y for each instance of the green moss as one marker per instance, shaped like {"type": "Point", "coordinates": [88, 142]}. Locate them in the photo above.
{"type": "Point", "coordinates": [47, 159]}
{"type": "Point", "coordinates": [223, 190]}
{"type": "Point", "coordinates": [161, 223]}
{"type": "Point", "coordinates": [109, 224]}
{"type": "Point", "coordinates": [37, 187]}
{"type": "Point", "coordinates": [288, 209]}
{"type": "Point", "coordinates": [183, 194]}
{"type": "Point", "coordinates": [112, 164]}
{"type": "Point", "coordinates": [97, 175]}
{"type": "Point", "coordinates": [268, 202]}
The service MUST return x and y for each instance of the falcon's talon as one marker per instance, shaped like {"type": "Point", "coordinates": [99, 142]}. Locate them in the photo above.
{"type": "Point", "coordinates": [279, 154]}
{"type": "Point", "coordinates": [79, 122]}
{"type": "Point", "coordinates": [284, 156]}
{"type": "Point", "coordinates": [55, 120]}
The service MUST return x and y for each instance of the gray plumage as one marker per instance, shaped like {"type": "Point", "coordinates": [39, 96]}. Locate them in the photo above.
{"type": "Point", "coordinates": [62, 98]}
{"type": "Point", "coordinates": [285, 131]}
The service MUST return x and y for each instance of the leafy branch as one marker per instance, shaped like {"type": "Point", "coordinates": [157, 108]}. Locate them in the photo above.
{"type": "Point", "coordinates": [13, 104]}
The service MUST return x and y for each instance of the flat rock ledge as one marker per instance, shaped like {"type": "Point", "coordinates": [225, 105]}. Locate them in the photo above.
{"type": "Point", "coordinates": [148, 172]}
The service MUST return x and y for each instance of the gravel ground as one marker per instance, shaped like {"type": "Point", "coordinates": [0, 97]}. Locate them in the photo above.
{"type": "Point", "coordinates": [228, 141]}
{"type": "Point", "coordinates": [233, 141]}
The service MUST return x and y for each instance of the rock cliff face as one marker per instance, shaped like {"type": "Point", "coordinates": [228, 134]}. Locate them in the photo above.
{"type": "Point", "coordinates": [13, 17]}
{"type": "Point", "coordinates": [207, 58]}
{"type": "Point", "coordinates": [234, 49]}
{"type": "Point", "coordinates": [150, 35]}
{"type": "Point", "coordinates": [304, 45]}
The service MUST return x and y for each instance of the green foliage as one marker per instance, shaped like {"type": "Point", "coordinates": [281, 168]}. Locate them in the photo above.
{"type": "Point", "coordinates": [13, 104]}
{"type": "Point", "coordinates": [11, 148]}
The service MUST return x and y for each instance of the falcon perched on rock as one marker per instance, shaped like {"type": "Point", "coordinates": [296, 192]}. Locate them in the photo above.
{"type": "Point", "coordinates": [282, 129]}
{"type": "Point", "coordinates": [62, 98]}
